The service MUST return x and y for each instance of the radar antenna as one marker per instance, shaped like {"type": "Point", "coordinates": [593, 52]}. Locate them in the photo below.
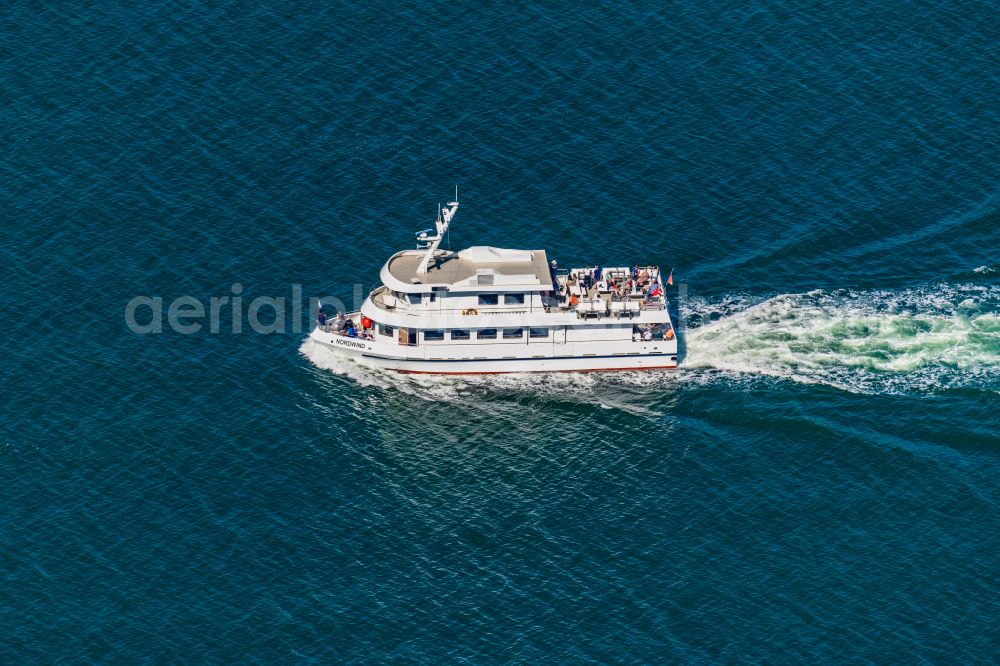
{"type": "Point", "coordinates": [443, 221]}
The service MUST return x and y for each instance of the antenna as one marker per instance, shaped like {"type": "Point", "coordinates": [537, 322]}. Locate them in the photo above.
{"type": "Point", "coordinates": [454, 203]}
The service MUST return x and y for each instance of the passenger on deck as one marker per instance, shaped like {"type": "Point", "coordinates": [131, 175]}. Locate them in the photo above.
{"type": "Point", "coordinates": [597, 274]}
{"type": "Point", "coordinates": [339, 322]}
{"type": "Point", "coordinates": [321, 320]}
{"type": "Point", "coordinates": [647, 335]}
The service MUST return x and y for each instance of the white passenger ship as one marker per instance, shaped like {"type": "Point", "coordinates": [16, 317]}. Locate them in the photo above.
{"type": "Point", "coordinates": [491, 310]}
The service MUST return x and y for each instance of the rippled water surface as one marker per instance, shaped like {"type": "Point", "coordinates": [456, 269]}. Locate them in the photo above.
{"type": "Point", "coordinates": [817, 482]}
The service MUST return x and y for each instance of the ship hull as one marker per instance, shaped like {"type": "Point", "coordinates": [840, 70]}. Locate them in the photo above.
{"type": "Point", "coordinates": [658, 355]}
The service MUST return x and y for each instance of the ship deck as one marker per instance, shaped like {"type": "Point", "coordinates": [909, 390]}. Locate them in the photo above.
{"type": "Point", "coordinates": [457, 268]}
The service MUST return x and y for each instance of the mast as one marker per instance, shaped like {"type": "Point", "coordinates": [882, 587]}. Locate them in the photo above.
{"type": "Point", "coordinates": [441, 224]}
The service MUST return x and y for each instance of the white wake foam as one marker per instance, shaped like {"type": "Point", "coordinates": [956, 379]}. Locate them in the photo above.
{"type": "Point", "coordinates": [875, 341]}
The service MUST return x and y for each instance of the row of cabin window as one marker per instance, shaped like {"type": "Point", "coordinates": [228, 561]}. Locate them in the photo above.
{"type": "Point", "coordinates": [487, 334]}
{"type": "Point", "coordinates": [484, 299]}
{"type": "Point", "coordinates": [481, 334]}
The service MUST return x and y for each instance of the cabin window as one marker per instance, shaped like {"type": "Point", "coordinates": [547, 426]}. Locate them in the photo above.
{"type": "Point", "coordinates": [513, 299]}
{"type": "Point", "coordinates": [487, 334]}
{"type": "Point", "coordinates": [459, 334]}
{"type": "Point", "coordinates": [385, 330]}
{"type": "Point", "coordinates": [414, 299]}
{"type": "Point", "coordinates": [433, 336]}
{"type": "Point", "coordinates": [489, 299]}
{"type": "Point", "coordinates": [538, 332]}
{"type": "Point", "coordinates": [513, 333]}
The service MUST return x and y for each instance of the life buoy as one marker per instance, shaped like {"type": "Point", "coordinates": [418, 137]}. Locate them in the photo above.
{"type": "Point", "coordinates": [669, 334]}
{"type": "Point", "coordinates": [366, 322]}
{"type": "Point", "coordinates": [470, 311]}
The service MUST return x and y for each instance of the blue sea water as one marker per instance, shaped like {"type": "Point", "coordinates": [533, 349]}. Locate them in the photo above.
{"type": "Point", "coordinates": [818, 482]}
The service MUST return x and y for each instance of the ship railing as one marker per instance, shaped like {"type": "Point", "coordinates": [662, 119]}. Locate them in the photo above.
{"type": "Point", "coordinates": [598, 306]}
{"type": "Point", "coordinates": [380, 301]}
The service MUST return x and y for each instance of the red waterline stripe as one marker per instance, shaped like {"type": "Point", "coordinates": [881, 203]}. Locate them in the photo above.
{"type": "Point", "coordinates": [521, 372]}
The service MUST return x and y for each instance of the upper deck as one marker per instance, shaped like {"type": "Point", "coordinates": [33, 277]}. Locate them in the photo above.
{"type": "Point", "coordinates": [472, 269]}
{"type": "Point", "coordinates": [582, 297]}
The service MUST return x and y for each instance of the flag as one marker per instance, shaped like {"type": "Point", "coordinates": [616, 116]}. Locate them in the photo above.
{"type": "Point", "coordinates": [670, 278]}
